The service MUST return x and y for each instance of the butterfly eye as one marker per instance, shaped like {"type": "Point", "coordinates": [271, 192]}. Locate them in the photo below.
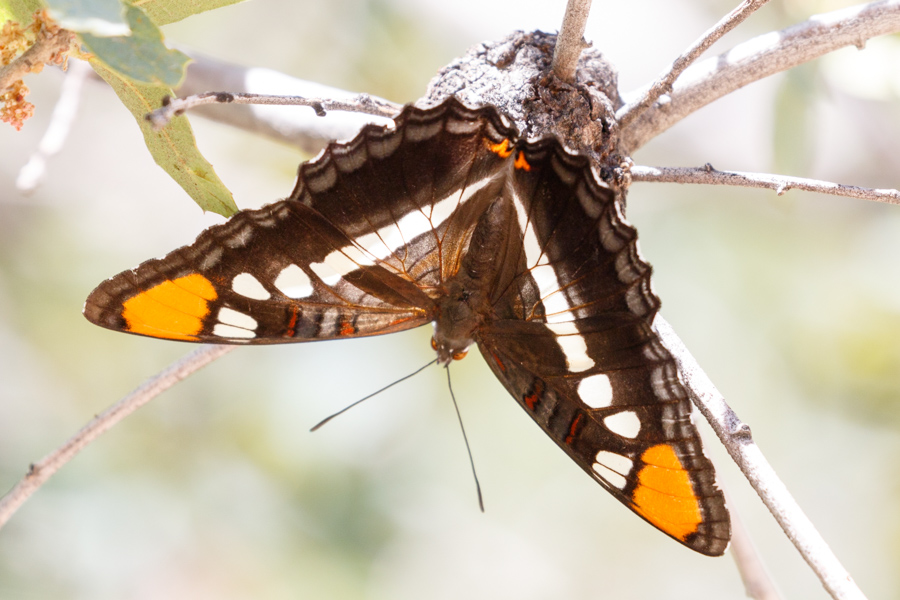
{"type": "Point", "coordinates": [460, 355]}
{"type": "Point", "coordinates": [433, 344]}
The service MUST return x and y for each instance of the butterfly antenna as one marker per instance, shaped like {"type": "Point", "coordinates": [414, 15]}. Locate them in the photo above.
{"type": "Point", "coordinates": [466, 439]}
{"type": "Point", "coordinates": [387, 387]}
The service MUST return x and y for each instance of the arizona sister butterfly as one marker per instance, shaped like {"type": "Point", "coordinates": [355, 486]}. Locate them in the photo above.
{"type": "Point", "coordinates": [449, 218]}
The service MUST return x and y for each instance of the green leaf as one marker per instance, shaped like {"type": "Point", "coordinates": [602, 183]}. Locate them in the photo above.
{"type": "Point", "coordinates": [142, 56]}
{"type": "Point", "coordinates": [103, 18]}
{"type": "Point", "coordinates": [19, 11]}
{"type": "Point", "coordinates": [164, 12]}
{"type": "Point", "coordinates": [173, 148]}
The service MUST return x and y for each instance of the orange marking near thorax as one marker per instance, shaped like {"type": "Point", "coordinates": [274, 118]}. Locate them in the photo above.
{"type": "Point", "coordinates": [521, 163]}
{"type": "Point", "coordinates": [502, 149]}
{"type": "Point", "coordinates": [172, 310]}
{"type": "Point", "coordinates": [664, 495]}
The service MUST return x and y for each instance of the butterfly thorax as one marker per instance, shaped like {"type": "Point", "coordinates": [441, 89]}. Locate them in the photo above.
{"type": "Point", "coordinates": [464, 306]}
{"type": "Point", "coordinates": [459, 314]}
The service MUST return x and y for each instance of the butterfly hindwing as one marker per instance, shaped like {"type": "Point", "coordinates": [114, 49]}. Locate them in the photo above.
{"type": "Point", "coordinates": [572, 341]}
{"type": "Point", "coordinates": [658, 472]}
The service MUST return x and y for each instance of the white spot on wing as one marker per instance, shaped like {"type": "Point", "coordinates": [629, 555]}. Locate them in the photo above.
{"type": "Point", "coordinates": [611, 477]}
{"type": "Point", "coordinates": [443, 209]}
{"type": "Point", "coordinates": [596, 391]}
{"type": "Point", "coordinates": [573, 346]}
{"type": "Point", "coordinates": [249, 286]}
{"type": "Point", "coordinates": [354, 254]}
{"type": "Point", "coordinates": [615, 462]}
{"type": "Point", "coordinates": [335, 266]}
{"type": "Point", "coordinates": [228, 331]}
{"type": "Point", "coordinates": [388, 239]}
{"type": "Point", "coordinates": [378, 246]}
{"type": "Point", "coordinates": [556, 305]}
{"type": "Point", "coordinates": [613, 467]}
{"type": "Point", "coordinates": [293, 282]}
{"type": "Point", "coordinates": [545, 278]}
{"type": "Point", "coordinates": [229, 316]}
{"type": "Point", "coordinates": [625, 423]}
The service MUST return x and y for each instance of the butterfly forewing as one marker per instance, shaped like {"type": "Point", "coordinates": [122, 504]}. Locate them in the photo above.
{"type": "Point", "coordinates": [447, 218]}
{"type": "Point", "coordinates": [361, 247]}
{"type": "Point", "coordinates": [409, 196]}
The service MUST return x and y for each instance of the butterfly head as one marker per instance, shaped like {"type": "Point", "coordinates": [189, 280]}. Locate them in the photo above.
{"type": "Point", "coordinates": [455, 323]}
{"type": "Point", "coordinates": [446, 353]}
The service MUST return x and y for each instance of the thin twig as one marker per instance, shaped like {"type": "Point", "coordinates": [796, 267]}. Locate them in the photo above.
{"type": "Point", "coordinates": [697, 86]}
{"type": "Point", "coordinates": [299, 128]}
{"type": "Point", "coordinates": [61, 122]}
{"type": "Point", "coordinates": [362, 103]}
{"type": "Point", "coordinates": [663, 83]}
{"type": "Point", "coordinates": [40, 472]}
{"type": "Point", "coordinates": [757, 582]}
{"type": "Point", "coordinates": [780, 183]}
{"type": "Point", "coordinates": [570, 41]}
{"type": "Point", "coordinates": [735, 436]}
{"type": "Point", "coordinates": [757, 59]}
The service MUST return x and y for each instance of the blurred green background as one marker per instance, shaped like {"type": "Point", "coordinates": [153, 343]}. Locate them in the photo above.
{"type": "Point", "coordinates": [217, 490]}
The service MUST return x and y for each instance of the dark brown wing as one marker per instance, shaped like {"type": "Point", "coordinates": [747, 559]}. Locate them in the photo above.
{"type": "Point", "coordinates": [572, 341]}
{"type": "Point", "coordinates": [362, 246]}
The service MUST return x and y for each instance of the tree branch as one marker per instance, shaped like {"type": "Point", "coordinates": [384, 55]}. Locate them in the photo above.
{"type": "Point", "coordinates": [757, 582]}
{"type": "Point", "coordinates": [299, 128]}
{"type": "Point", "coordinates": [780, 183]}
{"type": "Point", "coordinates": [697, 86]}
{"type": "Point", "coordinates": [735, 436]}
{"type": "Point", "coordinates": [48, 47]}
{"type": "Point", "coordinates": [362, 103]}
{"type": "Point", "coordinates": [570, 41]}
{"type": "Point", "coordinates": [40, 472]}
{"type": "Point", "coordinates": [663, 84]}
{"type": "Point", "coordinates": [756, 59]}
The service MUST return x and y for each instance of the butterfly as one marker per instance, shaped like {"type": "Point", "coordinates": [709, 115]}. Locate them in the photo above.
{"type": "Point", "coordinates": [450, 218]}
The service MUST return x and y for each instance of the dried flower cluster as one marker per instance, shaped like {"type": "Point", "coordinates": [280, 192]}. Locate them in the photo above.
{"type": "Point", "coordinates": [27, 50]}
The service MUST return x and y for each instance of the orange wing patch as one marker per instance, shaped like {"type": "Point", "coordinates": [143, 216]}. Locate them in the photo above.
{"type": "Point", "coordinates": [172, 310]}
{"type": "Point", "coordinates": [521, 163]}
{"type": "Point", "coordinates": [664, 495]}
{"type": "Point", "coordinates": [502, 149]}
